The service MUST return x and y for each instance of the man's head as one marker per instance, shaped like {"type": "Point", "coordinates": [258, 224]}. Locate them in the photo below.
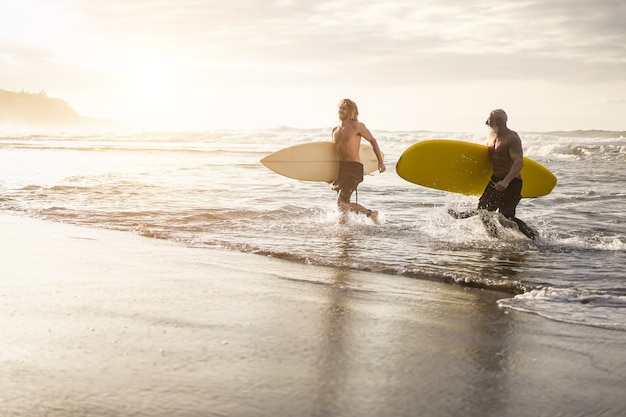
{"type": "Point", "coordinates": [349, 110]}
{"type": "Point", "coordinates": [496, 122]}
{"type": "Point", "coordinates": [497, 118]}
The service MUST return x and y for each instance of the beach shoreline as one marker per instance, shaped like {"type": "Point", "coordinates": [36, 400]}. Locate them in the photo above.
{"type": "Point", "coordinates": [106, 323]}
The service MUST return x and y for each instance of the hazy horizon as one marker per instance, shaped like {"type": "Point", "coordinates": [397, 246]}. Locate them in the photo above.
{"type": "Point", "coordinates": [438, 66]}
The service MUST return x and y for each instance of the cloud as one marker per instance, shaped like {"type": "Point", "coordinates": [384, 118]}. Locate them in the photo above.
{"type": "Point", "coordinates": [323, 45]}
{"type": "Point", "coordinates": [364, 41]}
{"type": "Point", "coordinates": [395, 41]}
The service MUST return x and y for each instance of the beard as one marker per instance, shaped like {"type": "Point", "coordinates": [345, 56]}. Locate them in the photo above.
{"type": "Point", "coordinates": [492, 134]}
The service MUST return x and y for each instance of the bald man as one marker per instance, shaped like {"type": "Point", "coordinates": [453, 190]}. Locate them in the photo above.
{"type": "Point", "coordinates": [503, 192]}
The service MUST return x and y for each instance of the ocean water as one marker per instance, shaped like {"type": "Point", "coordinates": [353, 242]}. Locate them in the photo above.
{"type": "Point", "coordinates": [208, 190]}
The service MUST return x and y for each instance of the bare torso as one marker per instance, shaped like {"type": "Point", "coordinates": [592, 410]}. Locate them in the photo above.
{"type": "Point", "coordinates": [502, 150]}
{"type": "Point", "coordinates": [347, 141]}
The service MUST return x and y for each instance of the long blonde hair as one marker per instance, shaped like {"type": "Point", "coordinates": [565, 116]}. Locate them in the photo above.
{"type": "Point", "coordinates": [352, 108]}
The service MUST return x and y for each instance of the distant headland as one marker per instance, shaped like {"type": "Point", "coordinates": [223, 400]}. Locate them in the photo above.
{"type": "Point", "coordinates": [37, 110]}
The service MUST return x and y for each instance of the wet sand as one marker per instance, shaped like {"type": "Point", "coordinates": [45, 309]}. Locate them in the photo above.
{"type": "Point", "coordinates": [106, 323]}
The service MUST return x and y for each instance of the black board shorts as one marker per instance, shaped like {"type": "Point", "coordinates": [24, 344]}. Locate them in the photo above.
{"type": "Point", "coordinates": [505, 201]}
{"type": "Point", "coordinates": [349, 177]}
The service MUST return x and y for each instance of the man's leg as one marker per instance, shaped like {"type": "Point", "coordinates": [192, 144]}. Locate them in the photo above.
{"type": "Point", "coordinates": [490, 201]}
{"type": "Point", "coordinates": [512, 197]}
{"type": "Point", "coordinates": [484, 203]}
{"type": "Point", "coordinates": [524, 228]}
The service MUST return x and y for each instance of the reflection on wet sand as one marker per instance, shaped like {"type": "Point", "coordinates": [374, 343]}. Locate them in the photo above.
{"type": "Point", "coordinates": [383, 351]}
{"type": "Point", "coordinates": [102, 323]}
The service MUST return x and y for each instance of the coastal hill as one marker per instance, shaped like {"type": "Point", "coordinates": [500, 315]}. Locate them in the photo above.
{"type": "Point", "coordinates": [35, 110]}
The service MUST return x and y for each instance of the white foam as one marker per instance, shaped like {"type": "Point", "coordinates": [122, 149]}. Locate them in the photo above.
{"type": "Point", "coordinates": [572, 306]}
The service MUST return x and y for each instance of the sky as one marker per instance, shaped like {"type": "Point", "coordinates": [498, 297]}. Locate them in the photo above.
{"type": "Point", "coordinates": [439, 65]}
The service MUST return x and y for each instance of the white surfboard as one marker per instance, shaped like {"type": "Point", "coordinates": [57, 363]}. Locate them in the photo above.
{"type": "Point", "coordinates": [315, 161]}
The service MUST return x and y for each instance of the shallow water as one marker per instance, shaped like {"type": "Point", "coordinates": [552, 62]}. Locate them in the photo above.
{"type": "Point", "coordinates": [209, 190]}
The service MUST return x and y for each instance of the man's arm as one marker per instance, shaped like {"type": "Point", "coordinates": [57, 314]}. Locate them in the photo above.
{"type": "Point", "coordinates": [367, 135]}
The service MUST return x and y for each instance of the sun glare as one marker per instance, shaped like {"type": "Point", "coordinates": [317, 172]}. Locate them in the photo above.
{"type": "Point", "coordinates": [35, 23]}
{"type": "Point", "coordinates": [147, 87]}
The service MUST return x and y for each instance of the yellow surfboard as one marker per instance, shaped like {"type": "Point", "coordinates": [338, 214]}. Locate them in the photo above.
{"type": "Point", "coordinates": [315, 161]}
{"type": "Point", "coordinates": [465, 168]}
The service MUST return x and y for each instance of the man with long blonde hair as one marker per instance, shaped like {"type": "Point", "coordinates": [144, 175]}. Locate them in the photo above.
{"type": "Point", "coordinates": [347, 138]}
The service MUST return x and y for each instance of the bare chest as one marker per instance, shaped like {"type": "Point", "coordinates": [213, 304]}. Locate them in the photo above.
{"type": "Point", "coordinates": [498, 148]}
{"type": "Point", "coordinates": [344, 134]}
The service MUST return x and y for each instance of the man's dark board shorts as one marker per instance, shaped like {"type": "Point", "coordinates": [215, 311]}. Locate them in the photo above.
{"type": "Point", "coordinates": [506, 201]}
{"type": "Point", "coordinates": [349, 177]}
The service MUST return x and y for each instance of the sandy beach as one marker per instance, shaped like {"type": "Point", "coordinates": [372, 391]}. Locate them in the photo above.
{"type": "Point", "coordinates": [106, 323]}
